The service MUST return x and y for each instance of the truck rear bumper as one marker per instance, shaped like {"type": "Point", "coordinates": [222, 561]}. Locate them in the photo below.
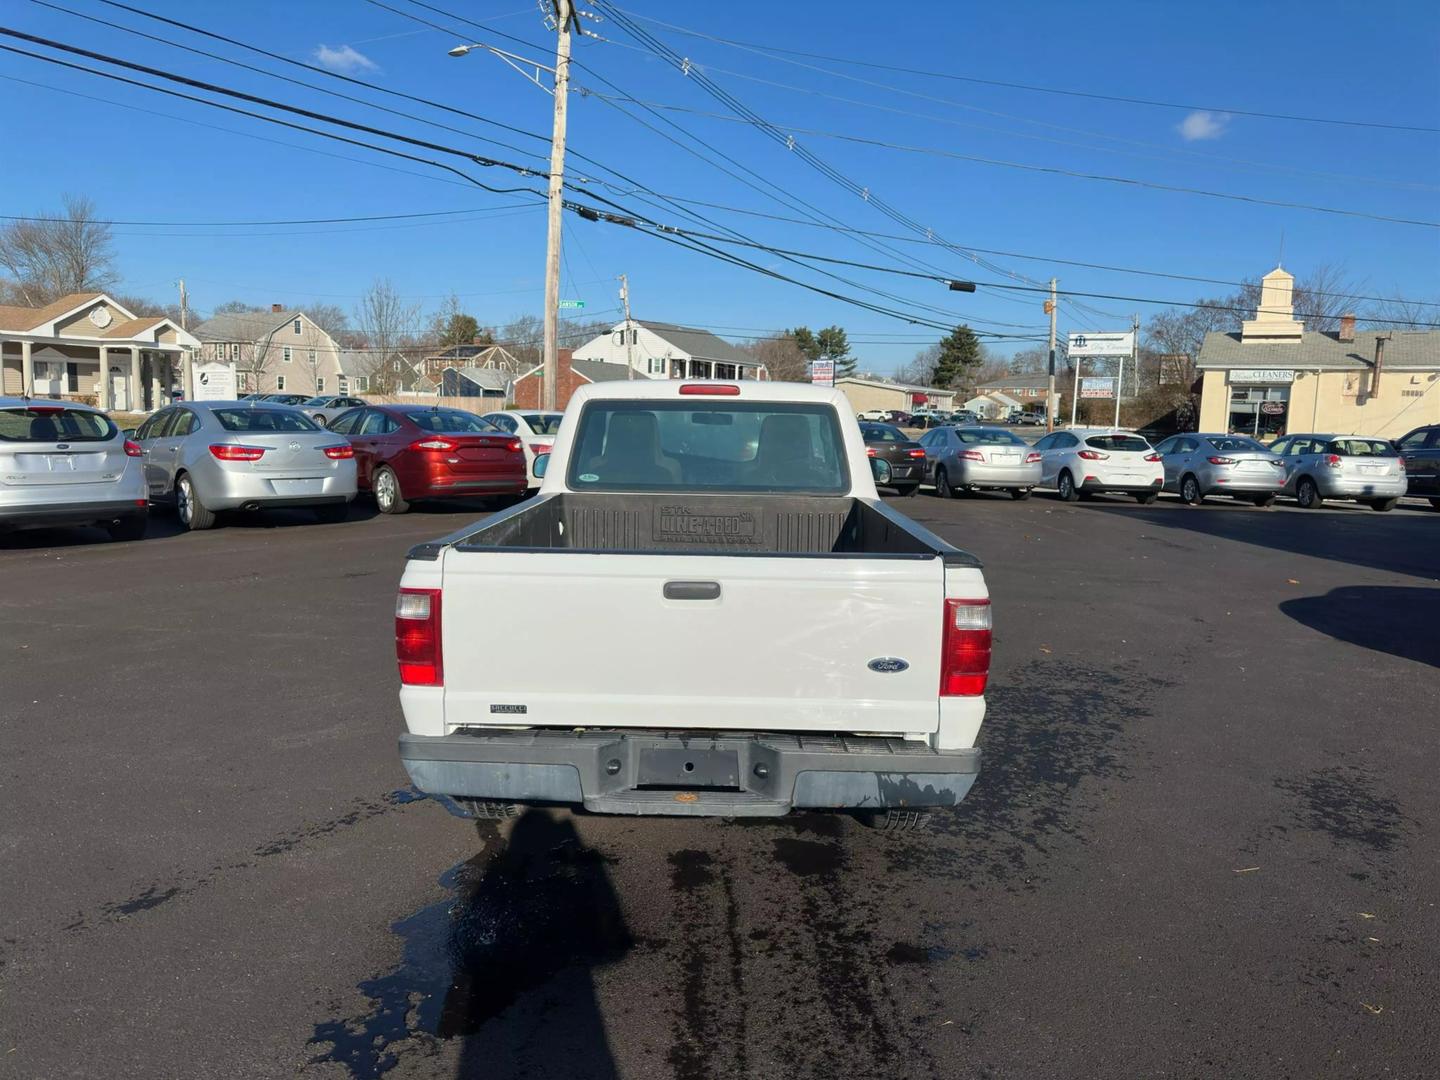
{"type": "Point", "coordinates": [687, 773]}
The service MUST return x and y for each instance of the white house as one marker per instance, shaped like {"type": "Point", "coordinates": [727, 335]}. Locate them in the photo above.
{"type": "Point", "coordinates": [275, 351]}
{"type": "Point", "coordinates": [665, 351]}
{"type": "Point", "coordinates": [992, 404]}
{"type": "Point", "coordinates": [88, 347]}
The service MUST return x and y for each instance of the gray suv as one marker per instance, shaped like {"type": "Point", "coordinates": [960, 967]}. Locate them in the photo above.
{"type": "Point", "coordinates": [62, 463]}
{"type": "Point", "coordinates": [1320, 467]}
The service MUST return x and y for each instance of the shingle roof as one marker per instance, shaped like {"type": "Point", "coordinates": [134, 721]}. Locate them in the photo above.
{"type": "Point", "coordinates": [894, 385]}
{"type": "Point", "coordinates": [243, 325]}
{"type": "Point", "coordinates": [1404, 349]}
{"type": "Point", "coordinates": [485, 378]}
{"type": "Point", "coordinates": [354, 362]}
{"type": "Point", "coordinates": [132, 327]}
{"type": "Point", "coordinates": [700, 344]}
{"type": "Point", "coordinates": [27, 318]}
{"type": "Point", "coordinates": [599, 371]}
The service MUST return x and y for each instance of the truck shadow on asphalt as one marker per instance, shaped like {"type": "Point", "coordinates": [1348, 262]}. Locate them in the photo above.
{"type": "Point", "coordinates": [526, 922]}
{"type": "Point", "coordinates": [1391, 619]}
{"type": "Point", "coordinates": [1395, 543]}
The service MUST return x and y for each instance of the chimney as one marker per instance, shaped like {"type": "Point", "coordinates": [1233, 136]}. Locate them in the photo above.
{"type": "Point", "coordinates": [1347, 328]}
{"type": "Point", "coordinates": [1379, 363]}
{"type": "Point", "coordinates": [277, 308]}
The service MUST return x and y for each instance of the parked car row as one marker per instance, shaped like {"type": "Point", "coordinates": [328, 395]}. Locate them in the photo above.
{"type": "Point", "coordinates": [63, 463]}
{"type": "Point", "coordinates": [1077, 464]}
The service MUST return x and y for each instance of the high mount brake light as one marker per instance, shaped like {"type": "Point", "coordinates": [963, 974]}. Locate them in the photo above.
{"type": "Point", "coordinates": [965, 648]}
{"type": "Point", "coordinates": [417, 637]}
{"type": "Point", "coordinates": [711, 389]}
{"type": "Point", "coordinates": [232, 452]}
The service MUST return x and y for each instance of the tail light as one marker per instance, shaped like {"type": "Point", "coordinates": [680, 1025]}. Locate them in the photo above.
{"type": "Point", "coordinates": [417, 637]}
{"type": "Point", "coordinates": [132, 449]}
{"type": "Point", "coordinates": [432, 444]}
{"type": "Point", "coordinates": [339, 453]}
{"type": "Point", "coordinates": [538, 448]}
{"type": "Point", "coordinates": [1033, 457]}
{"type": "Point", "coordinates": [1157, 457]}
{"type": "Point", "coordinates": [916, 453]}
{"type": "Point", "coordinates": [965, 648]}
{"type": "Point", "coordinates": [1219, 460]}
{"type": "Point", "coordinates": [869, 451]}
{"type": "Point", "coordinates": [971, 455]}
{"type": "Point", "coordinates": [231, 452]}
{"type": "Point", "coordinates": [514, 446]}
{"type": "Point", "coordinates": [1093, 455]}
{"type": "Point", "coordinates": [711, 389]}
{"type": "Point", "coordinates": [1333, 460]}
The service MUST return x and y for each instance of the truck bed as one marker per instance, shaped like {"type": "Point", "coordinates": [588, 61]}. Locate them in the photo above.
{"type": "Point", "coordinates": [696, 524]}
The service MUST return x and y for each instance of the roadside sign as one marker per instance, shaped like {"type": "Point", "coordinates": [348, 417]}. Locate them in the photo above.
{"type": "Point", "coordinates": [1260, 376]}
{"type": "Point", "coordinates": [822, 372]}
{"type": "Point", "coordinates": [214, 382]}
{"type": "Point", "coordinates": [1097, 388]}
{"type": "Point", "coordinates": [1272, 408]}
{"type": "Point", "coordinates": [572, 303]}
{"type": "Point", "coordinates": [1086, 344]}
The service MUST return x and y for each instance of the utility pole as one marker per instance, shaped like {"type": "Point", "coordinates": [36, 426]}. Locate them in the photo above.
{"type": "Point", "coordinates": [187, 364]}
{"type": "Point", "coordinates": [1075, 393]}
{"type": "Point", "coordinates": [625, 302]}
{"type": "Point", "coordinates": [1134, 365]}
{"type": "Point", "coordinates": [565, 17]}
{"type": "Point", "coordinates": [1050, 393]}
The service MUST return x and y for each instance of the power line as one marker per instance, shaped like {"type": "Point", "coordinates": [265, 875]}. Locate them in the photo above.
{"type": "Point", "coordinates": [1296, 118]}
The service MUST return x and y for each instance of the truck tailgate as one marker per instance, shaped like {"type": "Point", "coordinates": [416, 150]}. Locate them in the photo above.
{"type": "Point", "coordinates": [705, 641]}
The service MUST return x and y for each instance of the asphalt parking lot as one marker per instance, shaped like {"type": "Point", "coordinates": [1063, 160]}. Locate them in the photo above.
{"type": "Point", "coordinates": [1202, 843]}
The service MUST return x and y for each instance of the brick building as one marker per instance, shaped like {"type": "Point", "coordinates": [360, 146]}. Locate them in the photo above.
{"type": "Point", "coordinates": [573, 374]}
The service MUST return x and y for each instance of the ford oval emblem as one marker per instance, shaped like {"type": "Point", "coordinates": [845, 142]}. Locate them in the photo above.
{"type": "Point", "coordinates": [888, 665]}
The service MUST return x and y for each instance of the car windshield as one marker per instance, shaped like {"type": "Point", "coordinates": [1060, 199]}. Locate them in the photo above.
{"type": "Point", "coordinates": [708, 446]}
{"type": "Point", "coordinates": [881, 433]}
{"type": "Point", "coordinates": [1231, 445]}
{"type": "Point", "coordinates": [264, 420]}
{"type": "Point", "coordinates": [1117, 442]}
{"type": "Point", "coordinates": [989, 437]}
{"type": "Point", "coordinates": [451, 420]}
{"type": "Point", "coordinates": [54, 423]}
{"type": "Point", "coordinates": [544, 423]}
{"type": "Point", "coordinates": [1363, 448]}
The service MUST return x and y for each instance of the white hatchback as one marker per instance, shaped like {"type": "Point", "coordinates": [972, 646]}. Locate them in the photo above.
{"type": "Point", "coordinates": [1085, 462]}
{"type": "Point", "coordinates": [536, 430]}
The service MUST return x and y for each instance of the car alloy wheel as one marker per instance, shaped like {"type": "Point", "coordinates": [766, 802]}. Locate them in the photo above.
{"type": "Point", "coordinates": [183, 500]}
{"type": "Point", "coordinates": [1307, 494]}
{"type": "Point", "coordinates": [385, 490]}
{"type": "Point", "coordinates": [1190, 491]}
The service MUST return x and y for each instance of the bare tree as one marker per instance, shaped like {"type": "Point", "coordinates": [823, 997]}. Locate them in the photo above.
{"type": "Point", "coordinates": [388, 325]}
{"type": "Point", "coordinates": [58, 253]}
{"type": "Point", "coordinates": [1399, 314]}
{"type": "Point", "coordinates": [782, 356]}
{"type": "Point", "coordinates": [920, 367]}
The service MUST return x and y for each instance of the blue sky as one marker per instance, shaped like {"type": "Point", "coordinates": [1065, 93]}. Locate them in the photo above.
{"type": "Point", "coordinates": [1318, 59]}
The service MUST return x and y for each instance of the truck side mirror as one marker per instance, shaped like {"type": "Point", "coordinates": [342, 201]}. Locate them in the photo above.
{"type": "Point", "coordinates": [540, 464]}
{"type": "Point", "coordinates": [880, 469]}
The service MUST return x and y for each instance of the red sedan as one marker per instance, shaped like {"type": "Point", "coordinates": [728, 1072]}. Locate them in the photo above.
{"type": "Point", "coordinates": [404, 453]}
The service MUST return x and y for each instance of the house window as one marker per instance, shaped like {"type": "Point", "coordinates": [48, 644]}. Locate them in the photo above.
{"type": "Point", "coordinates": [619, 337]}
{"type": "Point", "coordinates": [634, 337]}
{"type": "Point", "coordinates": [280, 382]}
{"type": "Point", "coordinates": [342, 384]}
{"type": "Point", "coordinates": [312, 357]}
{"type": "Point", "coordinates": [362, 383]}
{"type": "Point", "coordinates": [285, 355]}
{"type": "Point", "coordinates": [320, 385]}
{"type": "Point", "coordinates": [297, 326]}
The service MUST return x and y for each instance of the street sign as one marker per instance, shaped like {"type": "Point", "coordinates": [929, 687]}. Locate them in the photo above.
{"type": "Point", "coordinates": [1097, 388]}
{"type": "Point", "coordinates": [572, 303]}
{"type": "Point", "coordinates": [822, 372]}
{"type": "Point", "coordinates": [1082, 345]}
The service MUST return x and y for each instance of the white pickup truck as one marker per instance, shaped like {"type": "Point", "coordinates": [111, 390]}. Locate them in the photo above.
{"type": "Point", "coordinates": [726, 620]}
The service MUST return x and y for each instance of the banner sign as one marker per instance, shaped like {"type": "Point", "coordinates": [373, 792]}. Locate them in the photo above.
{"type": "Point", "coordinates": [1097, 388]}
{"type": "Point", "coordinates": [1083, 345]}
{"type": "Point", "coordinates": [822, 372]}
{"type": "Point", "coordinates": [214, 382]}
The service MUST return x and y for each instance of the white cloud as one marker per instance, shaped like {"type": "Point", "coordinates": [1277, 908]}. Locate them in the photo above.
{"type": "Point", "coordinates": [344, 59]}
{"type": "Point", "coordinates": [1202, 124]}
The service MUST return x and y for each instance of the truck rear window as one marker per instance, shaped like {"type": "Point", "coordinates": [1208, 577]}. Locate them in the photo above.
{"type": "Point", "coordinates": [712, 447]}
{"type": "Point", "coordinates": [49, 423]}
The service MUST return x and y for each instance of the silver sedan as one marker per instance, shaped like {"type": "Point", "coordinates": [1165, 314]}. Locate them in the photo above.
{"type": "Point", "coordinates": [208, 456]}
{"type": "Point", "coordinates": [1199, 465]}
{"type": "Point", "coordinates": [975, 458]}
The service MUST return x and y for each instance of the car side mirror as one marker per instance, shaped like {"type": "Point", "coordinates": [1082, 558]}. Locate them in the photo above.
{"type": "Point", "coordinates": [128, 432]}
{"type": "Point", "coordinates": [880, 469]}
{"type": "Point", "coordinates": [541, 463]}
